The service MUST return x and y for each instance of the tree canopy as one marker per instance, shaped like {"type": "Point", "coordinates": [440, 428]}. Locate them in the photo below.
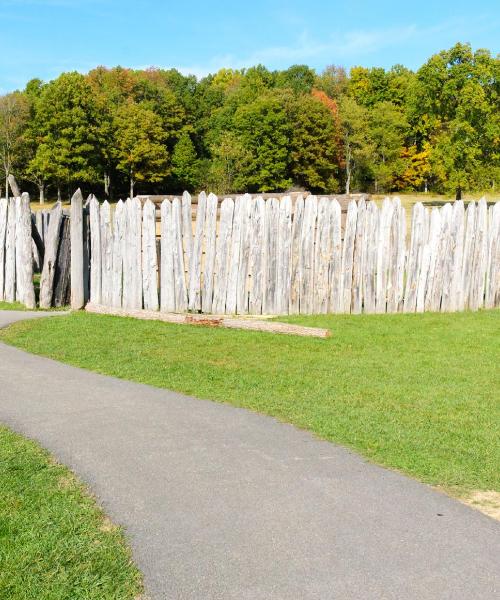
{"type": "Point", "coordinates": [257, 130]}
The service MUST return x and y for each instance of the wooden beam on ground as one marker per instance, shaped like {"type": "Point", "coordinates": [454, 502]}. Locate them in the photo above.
{"type": "Point", "coordinates": [249, 324]}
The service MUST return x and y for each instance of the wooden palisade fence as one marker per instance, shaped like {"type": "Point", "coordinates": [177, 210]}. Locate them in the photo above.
{"type": "Point", "coordinates": [252, 255]}
{"type": "Point", "coordinates": [34, 243]}
{"type": "Point", "coordinates": [255, 256]}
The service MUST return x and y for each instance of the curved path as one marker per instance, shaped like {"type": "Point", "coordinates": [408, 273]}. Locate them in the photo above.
{"type": "Point", "coordinates": [221, 503]}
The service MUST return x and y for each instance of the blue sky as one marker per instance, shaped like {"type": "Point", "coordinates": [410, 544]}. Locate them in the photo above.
{"type": "Point", "coordinates": [42, 38]}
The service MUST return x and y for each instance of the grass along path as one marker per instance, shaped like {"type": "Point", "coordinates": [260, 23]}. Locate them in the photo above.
{"type": "Point", "coordinates": [417, 393]}
{"type": "Point", "coordinates": [55, 543]}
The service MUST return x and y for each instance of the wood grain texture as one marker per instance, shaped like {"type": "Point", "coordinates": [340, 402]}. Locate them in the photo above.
{"type": "Point", "coordinates": [492, 296]}
{"type": "Point", "coordinates": [222, 255]}
{"type": "Point", "coordinates": [106, 255]}
{"type": "Point", "coordinates": [322, 257]}
{"type": "Point", "coordinates": [348, 256]}
{"type": "Point", "coordinates": [209, 240]}
{"type": "Point", "coordinates": [149, 258]}
{"type": "Point", "coordinates": [257, 256]}
{"type": "Point", "coordinates": [414, 257]}
{"type": "Point", "coordinates": [213, 321]}
{"type": "Point", "coordinates": [478, 278]}
{"type": "Point", "coordinates": [95, 252]}
{"type": "Point", "coordinates": [243, 284]}
{"type": "Point", "coordinates": [284, 249]}
{"type": "Point", "coordinates": [24, 262]}
{"type": "Point", "coordinates": [359, 259]}
{"type": "Point", "coordinates": [269, 304]}
{"type": "Point", "coordinates": [195, 266]}
{"type": "Point", "coordinates": [296, 252]}
{"type": "Point", "coordinates": [3, 235]}
{"type": "Point", "coordinates": [77, 258]}
{"type": "Point", "coordinates": [187, 229]}
{"type": "Point", "coordinates": [306, 263]}
{"type": "Point", "coordinates": [167, 282]}
{"type": "Point", "coordinates": [234, 257]}
{"type": "Point", "coordinates": [181, 299]}
{"type": "Point", "coordinates": [118, 254]}
{"type": "Point", "coordinates": [49, 263]}
{"type": "Point", "coordinates": [335, 277]}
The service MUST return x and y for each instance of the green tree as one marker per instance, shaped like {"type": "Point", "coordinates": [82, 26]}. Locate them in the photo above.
{"type": "Point", "coordinates": [64, 128]}
{"type": "Point", "coordinates": [139, 148]}
{"type": "Point", "coordinates": [185, 165]}
{"type": "Point", "coordinates": [14, 114]}
{"type": "Point", "coordinates": [313, 148]}
{"type": "Point", "coordinates": [357, 146]}
{"type": "Point", "coordinates": [264, 130]}
{"type": "Point", "coordinates": [387, 129]}
{"type": "Point", "coordinates": [230, 159]}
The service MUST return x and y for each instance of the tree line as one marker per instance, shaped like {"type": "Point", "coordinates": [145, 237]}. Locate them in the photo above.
{"type": "Point", "coordinates": [121, 131]}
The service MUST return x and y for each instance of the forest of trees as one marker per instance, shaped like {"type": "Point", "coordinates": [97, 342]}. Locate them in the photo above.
{"type": "Point", "coordinates": [115, 131]}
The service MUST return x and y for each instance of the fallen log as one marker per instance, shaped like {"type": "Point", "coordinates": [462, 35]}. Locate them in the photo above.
{"type": "Point", "coordinates": [247, 323]}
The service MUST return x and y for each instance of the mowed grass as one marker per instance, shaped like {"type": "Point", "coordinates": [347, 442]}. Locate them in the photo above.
{"type": "Point", "coordinates": [55, 543]}
{"type": "Point", "coordinates": [417, 393]}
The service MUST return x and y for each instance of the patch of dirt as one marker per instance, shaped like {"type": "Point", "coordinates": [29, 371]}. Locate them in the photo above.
{"type": "Point", "coordinates": [487, 501]}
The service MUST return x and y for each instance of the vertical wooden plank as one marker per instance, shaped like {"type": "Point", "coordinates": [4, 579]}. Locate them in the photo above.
{"type": "Point", "coordinates": [433, 244]}
{"type": "Point", "coordinates": [194, 296]}
{"type": "Point", "coordinates": [457, 234]}
{"type": "Point", "coordinates": [392, 272]}
{"type": "Point", "coordinates": [335, 274]}
{"type": "Point", "coordinates": [348, 255]}
{"type": "Point", "coordinates": [209, 237]}
{"type": "Point", "coordinates": [19, 280]}
{"type": "Point", "coordinates": [222, 255]}
{"type": "Point", "coordinates": [95, 252]}
{"type": "Point", "coordinates": [257, 256]}
{"type": "Point", "coordinates": [106, 255]}
{"type": "Point", "coordinates": [149, 259]}
{"type": "Point", "coordinates": [118, 246]}
{"type": "Point", "coordinates": [383, 255]}
{"type": "Point", "coordinates": [77, 259]}
{"type": "Point", "coordinates": [478, 280]}
{"type": "Point", "coordinates": [244, 256]}
{"type": "Point", "coordinates": [178, 258]}
{"type": "Point", "coordinates": [359, 259]}
{"type": "Point", "coordinates": [322, 257]}
{"type": "Point", "coordinates": [414, 258]}
{"type": "Point", "coordinates": [167, 285]}
{"type": "Point", "coordinates": [306, 264]}
{"type": "Point", "coordinates": [298, 219]}
{"type": "Point", "coordinates": [234, 259]}
{"type": "Point", "coordinates": [492, 297]}
{"type": "Point", "coordinates": [136, 223]}
{"type": "Point", "coordinates": [187, 229]}
{"type": "Point", "coordinates": [62, 277]}
{"type": "Point", "coordinates": [10, 252]}
{"type": "Point", "coordinates": [49, 262]}
{"type": "Point", "coordinates": [24, 266]}
{"type": "Point", "coordinates": [271, 253]}
{"type": "Point", "coordinates": [284, 249]}
{"type": "Point", "coordinates": [3, 232]}
{"type": "Point", "coordinates": [468, 258]}
{"type": "Point", "coordinates": [447, 257]}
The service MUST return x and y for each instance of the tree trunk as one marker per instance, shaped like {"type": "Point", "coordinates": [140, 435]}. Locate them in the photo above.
{"type": "Point", "coordinates": [458, 195]}
{"type": "Point", "coordinates": [7, 186]}
{"type": "Point", "coordinates": [106, 184]}
{"type": "Point", "coordinates": [41, 190]}
{"type": "Point", "coordinates": [131, 187]}
{"type": "Point", "coordinates": [59, 193]}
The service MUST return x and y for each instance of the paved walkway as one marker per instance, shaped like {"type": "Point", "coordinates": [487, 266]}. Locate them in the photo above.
{"type": "Point", "coordinates": [221, 503]}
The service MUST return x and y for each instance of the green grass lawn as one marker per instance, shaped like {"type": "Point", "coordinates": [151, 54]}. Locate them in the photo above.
{"type": "Point", "coordinates": [418, 393]}
{"type": "Point", "coordinates": [12, 306]}
{"type": "Point", "coordinates": [55, 543]}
